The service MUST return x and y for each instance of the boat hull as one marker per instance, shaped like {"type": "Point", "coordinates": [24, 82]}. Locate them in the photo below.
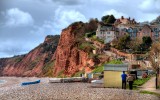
{"type": "Point", "coordinates": [29, 83]}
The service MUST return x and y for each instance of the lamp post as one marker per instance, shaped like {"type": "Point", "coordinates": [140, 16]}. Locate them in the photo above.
{"type": "Point", "coordinates": [157, 70]}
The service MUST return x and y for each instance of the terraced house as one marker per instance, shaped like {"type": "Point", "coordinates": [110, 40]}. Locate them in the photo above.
{"type": "Point", "coordinates": [125, 26]}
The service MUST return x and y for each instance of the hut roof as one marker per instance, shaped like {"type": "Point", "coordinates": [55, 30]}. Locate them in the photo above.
{"type": "Point", "coordinates": [116, 67]}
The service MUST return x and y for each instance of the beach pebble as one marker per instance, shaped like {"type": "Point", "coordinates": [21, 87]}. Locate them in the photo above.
{"type": "Point", "coordinates": [70, 91]}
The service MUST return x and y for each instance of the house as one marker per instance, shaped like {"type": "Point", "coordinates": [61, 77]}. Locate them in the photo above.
{"type": "Point", "coordinates": [106, 32]}
{"type": "Point", "coordinates": [124, 22]}
{"type": "Point", "coordinates": [156, 32]}
{"type": "Point", "coordinates": [112, 75]}
{"type": "Point", "coordinates": [146, 31]}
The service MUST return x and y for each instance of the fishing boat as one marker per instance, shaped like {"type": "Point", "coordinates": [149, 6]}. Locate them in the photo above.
{"type": "Point", "coordinates": [29, 83]}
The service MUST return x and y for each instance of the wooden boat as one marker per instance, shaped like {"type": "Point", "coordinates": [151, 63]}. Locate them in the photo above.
{"type": "Point", "coordinates": [29, 83]}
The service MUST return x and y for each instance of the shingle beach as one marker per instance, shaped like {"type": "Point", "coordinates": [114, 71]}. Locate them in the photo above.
{"type": "Point", "coordinates": [64, 91]}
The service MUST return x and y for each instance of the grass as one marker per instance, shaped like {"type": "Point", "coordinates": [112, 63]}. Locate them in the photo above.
{"type": "Point", "coordinates": [95, 38]}
{"type": "Point", "coordinates": [78, 74]}
{"type": "Point", "coordinates": [86, 45]}
{"type": "Point", "coordinates": [61, 74]}
{"type": "Point", "coordinates": [140, 82]}
{"type": "Point", "coordinates": [48, 69]}
{"type": "Point", "coordinates": [100, 67]}
{"type": "Point", "coordinates": [149, 92]}
{"type": "Point", "coordinates": [115, 62]}
{"type": "Point", "coordinates": [18, 59]}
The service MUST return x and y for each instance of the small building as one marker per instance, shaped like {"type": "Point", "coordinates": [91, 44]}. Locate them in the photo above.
{"type": "Point", "coordinates": [112, 75]}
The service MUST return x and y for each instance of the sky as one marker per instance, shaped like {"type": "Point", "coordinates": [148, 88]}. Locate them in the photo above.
{"type": "Point", "coordinates": [24, 24]}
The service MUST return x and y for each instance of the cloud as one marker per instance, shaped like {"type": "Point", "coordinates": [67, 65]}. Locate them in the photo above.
{"type": "Point", "coordinates": [151, 6]}
{"type": "Point", "coordinates": [115, 13]}
{"type": "Point", "coordinates": [68, 2]}
{"type": "Point", "coordinates": [112, 1]}
{"type": "Point", "coordinates": [16, 17]}
{"type": "Point", "coordinates": [65, 17]}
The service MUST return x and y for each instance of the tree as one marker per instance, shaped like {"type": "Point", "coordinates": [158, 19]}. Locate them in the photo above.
{"type": "Point", "coordinates": [104, 18]}
{"type": "Point", "coordinates": [155, 51]}
{"type": "Point", "coordinates": [146, 42]}
{"type": "Point", "coordinates": [123, 42]}
{"type": "Point", "coordinates": [153, 55]}
{"type": "Point", "coordinates": [134, 44]}
{"type": "Point", "coordinates": [111, 19]}
{"type": "Point", "coordinates": [108, 19]}
{"type": "Point", "coordinates": [91, 26]}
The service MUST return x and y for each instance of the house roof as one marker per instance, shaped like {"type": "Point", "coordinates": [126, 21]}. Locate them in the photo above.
{"type": "Point", "coordinates": [115, 67]}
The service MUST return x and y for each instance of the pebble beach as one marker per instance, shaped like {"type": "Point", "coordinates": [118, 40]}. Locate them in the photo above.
{"type": "Point", "coordinates": [12, 90]}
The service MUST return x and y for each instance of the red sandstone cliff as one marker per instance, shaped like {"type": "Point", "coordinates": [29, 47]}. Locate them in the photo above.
{"type": "Point", "coordinates": [69, 58]}
{"type": "Point", "coordinates": [45, 60]}
{"type": "Point", "coordinates": [38, 62]}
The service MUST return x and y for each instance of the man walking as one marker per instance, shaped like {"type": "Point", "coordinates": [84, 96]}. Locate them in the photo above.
{"type": "Point", "coordinates": [123, 76]}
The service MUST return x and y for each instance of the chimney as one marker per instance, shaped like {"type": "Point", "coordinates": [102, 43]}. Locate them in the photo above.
{"type": "Point", "coordinates": [129, 18]}
{"type": "Point", "coordinates": [122, 17]}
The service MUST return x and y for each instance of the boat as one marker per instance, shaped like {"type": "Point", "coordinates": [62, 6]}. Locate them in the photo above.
{"type": "Point", "coordinates": [55, 80]}
{"type": "Point", "coordinates": [29, 83]}
{"type": "Point", "coordinates": [67, 80]}
{"type": "Point", "coordinates": [97, 83]}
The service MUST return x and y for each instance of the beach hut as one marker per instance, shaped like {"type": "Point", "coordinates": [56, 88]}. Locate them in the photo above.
{"type": "Point", "coordinates": [112, 75]}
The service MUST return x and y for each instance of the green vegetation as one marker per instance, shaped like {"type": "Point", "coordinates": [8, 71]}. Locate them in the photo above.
{"type": "Point", "coordinates": [48, 69]}
{"type": "Point", "coordinates": [86, 46]}
{"type": "Point", "coordinates": [136, 46]}
{"type": "Point", "coordinates": [100, 67]}
{"type": "Point", "coordinates": [61, 74]}
{"type": "Point", "coordinates": [115, 62]}
{"type": "Point", "coordinates": [108, 19]}
{"type": "Point", "coordinates": [18, 59]}
{"type": "Point", "coordinates": [78, 74]}
{"type": "Point", "coordinates": [32, 65]}
{"type": "Point", "coordinates": [123, 42]}
{"type": "Point", "coordinates": [149, 92]}
{"type": "Point", "coordinates": [140, 82]}
{"type": "Point", "coordinates": [146, 43]}
{"type": "Point", "coordinates": [90, 34]}
{"type": "Point", "coordinates": [91, 55]}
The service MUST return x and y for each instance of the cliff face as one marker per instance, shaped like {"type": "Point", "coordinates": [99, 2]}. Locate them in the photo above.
{"type": "Point", "coordinates": [48, 59]}
{"type": "Point", "coordinates": [38, 62]}
{"type": "Point", "coordinates": [70, 59]}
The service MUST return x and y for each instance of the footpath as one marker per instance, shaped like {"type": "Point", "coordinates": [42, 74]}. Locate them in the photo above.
{"type": "Point", "coordinates": [150, 86]}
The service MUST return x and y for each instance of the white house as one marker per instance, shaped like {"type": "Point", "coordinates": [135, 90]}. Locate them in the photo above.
{"type": "Point", "coordinates": [106, 32]}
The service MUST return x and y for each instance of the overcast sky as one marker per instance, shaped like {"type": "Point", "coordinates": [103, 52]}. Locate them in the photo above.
{"type": "Point", "coordinates": [25, 23]}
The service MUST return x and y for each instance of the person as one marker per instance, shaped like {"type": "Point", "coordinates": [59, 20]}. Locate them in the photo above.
{"type": "Point", "coordinates": [123, 76]}
{"type": "Point", "coordinates": [130, 81]}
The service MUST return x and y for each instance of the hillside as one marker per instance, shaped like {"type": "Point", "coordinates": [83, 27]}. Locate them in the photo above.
{"type": "Point", "coordinates": [67, 56]}
{"type": "Point", "coordinates": [38, 62]}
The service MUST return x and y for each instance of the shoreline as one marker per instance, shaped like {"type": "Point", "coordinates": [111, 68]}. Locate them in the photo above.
{"type": "Point", "coordinates": [12, 90]}
{"type": "Point", "coordinates": [13, 82]}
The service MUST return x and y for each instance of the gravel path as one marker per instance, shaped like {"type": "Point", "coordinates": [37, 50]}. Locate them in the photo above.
{"type": "Point", "coordinates": [70, 91]}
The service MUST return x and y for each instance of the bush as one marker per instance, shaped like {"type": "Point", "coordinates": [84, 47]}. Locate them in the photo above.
{"type": "Point", "coordinates": [88, 35]}
{"type": "Point", "coordinates": [86, 46]}
{"type": "Point", "coordinates": [115, 62]}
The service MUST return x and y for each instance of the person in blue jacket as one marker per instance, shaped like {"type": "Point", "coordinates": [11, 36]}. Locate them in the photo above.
{"type": "Point", "coordinates": [124, 78]}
